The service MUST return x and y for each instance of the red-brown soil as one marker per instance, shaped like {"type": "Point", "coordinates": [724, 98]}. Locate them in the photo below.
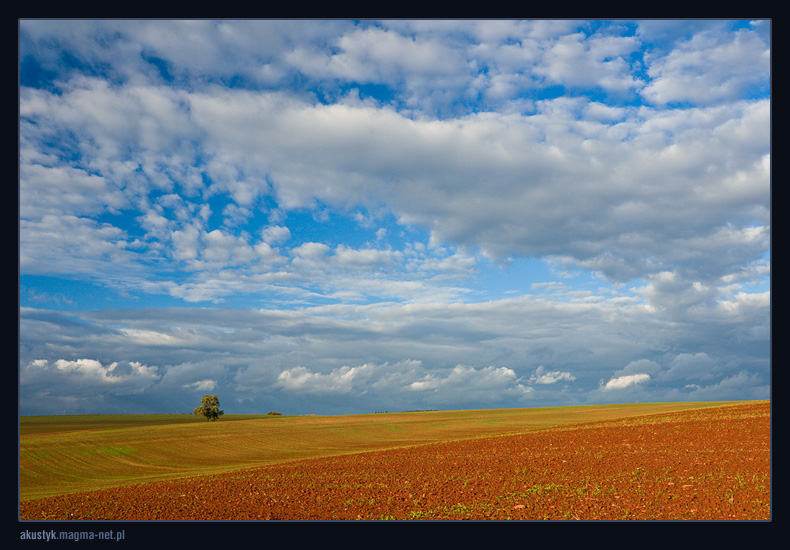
{"type": "Point", "coordinates": [708, 464]}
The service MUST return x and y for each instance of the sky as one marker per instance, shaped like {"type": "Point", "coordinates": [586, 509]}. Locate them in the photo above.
{"type": "Point", "coordinates": [341, 217]}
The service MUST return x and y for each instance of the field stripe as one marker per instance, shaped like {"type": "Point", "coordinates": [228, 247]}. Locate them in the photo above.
{"type": "Point", "coordinates": [61, 455]}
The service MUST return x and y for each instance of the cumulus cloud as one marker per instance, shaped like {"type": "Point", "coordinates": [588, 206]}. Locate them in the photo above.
{"type": "Point", "coordinates": [275, 234]}
{"type": "Point", "coordinates": [543, 376]}
{"type": "Point", "coordinates": [576, 60]}
{"type": "Point", "coordinates": [84, 377]}
{"type": "Point", "coordinates": [404, 377]}
{"type": "Point", "coordinates": [342, 380]}
{"type": "Point", "coordinates": [709, 67]}
{"type": "Point", "coordinates": [379, 55]}
{"type": "Point", "coordinates": [626, 381]}
{"type": "Point", "coordinates": [202, 385]}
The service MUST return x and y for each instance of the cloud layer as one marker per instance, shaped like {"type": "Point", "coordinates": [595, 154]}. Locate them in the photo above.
{"type": "Point", "coordinates": [338, 216]}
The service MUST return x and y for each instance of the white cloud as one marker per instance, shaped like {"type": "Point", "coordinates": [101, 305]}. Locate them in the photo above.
{"type": "Point", "coordinates": [226, 248]}
{"type": "Point", "coordinates": [709, 67]}
{"type": "Point", "coordinates": [311, 251]}
{"type": "Point", "coordinates": [575, 60]}
{"type": "Point", "coordinates": [202, 385]}
{"type": "Point", "coordinates": [74, 245]}
{"type": "Point", "coordinates": [543, 376]}
{"type": "Point", "coordinates": [626, 381]}
{"type": "Point", "coordinates": [275, 234]}
{"type": "Point", "coordinates": [342, 380]}
{"type": "Point", "coordinates": [89, 377]}
{"type": "Point", "coordinates": [351, 258]}
{"type": "Point", "coordinates": [396, 378]}
{"type": "Point", "coordinates": [62, 189]}
{"type": "Point", "coordinates": [465, 375]}
{"type": "Point", "coordinates": [376, 55]}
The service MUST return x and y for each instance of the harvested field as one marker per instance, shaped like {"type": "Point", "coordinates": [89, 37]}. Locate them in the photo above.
{"type": "Point", "coordinates": [705, 464]}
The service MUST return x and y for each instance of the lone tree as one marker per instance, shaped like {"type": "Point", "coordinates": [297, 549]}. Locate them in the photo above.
{"type": "Point", "coordinates": [209, 407]}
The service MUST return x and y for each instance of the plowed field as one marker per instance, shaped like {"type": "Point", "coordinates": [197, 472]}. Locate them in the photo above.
{"type": "Point", "coordinates": [707, 464]}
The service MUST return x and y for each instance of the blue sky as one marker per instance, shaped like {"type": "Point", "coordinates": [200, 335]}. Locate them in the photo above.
{"type": "Point", "coordinates": [356, 216]}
